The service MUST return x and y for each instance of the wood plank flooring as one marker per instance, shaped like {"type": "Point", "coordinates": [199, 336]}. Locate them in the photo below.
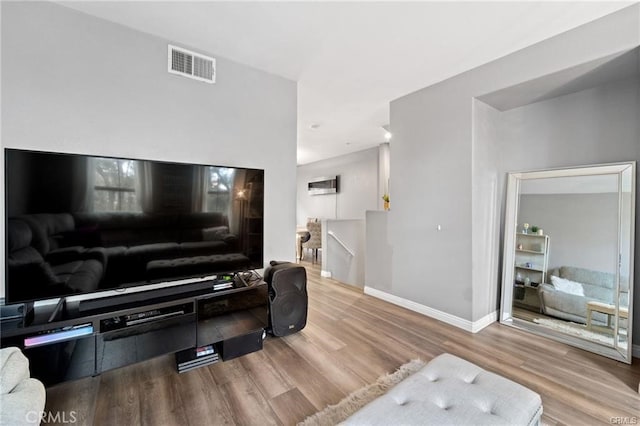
{"type": "Point", "coordinates": [350, 340]}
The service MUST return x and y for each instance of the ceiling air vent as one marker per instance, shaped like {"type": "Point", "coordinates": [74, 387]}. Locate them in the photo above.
{"type": "Point", "coordinates": [190, 64]}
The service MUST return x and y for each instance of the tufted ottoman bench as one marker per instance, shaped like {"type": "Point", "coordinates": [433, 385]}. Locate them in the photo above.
{"type": "Point", "coordinates": [197, 265]}
{"type": "Point", "coordinates": [452, 391]}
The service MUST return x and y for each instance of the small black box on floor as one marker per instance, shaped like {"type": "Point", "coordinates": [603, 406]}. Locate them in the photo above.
{"type": "Point", "coordinates": [197, 357]}
{"type": "Point", "coordinates": [241, 345]}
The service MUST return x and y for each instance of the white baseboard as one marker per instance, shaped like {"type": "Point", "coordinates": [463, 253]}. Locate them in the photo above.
{"type": "Point", "coordinates": [470, 326]}
{"type": "Point", "coordinates": [325, 274]}
{"type": "Point", "coordinates": [485, 321]}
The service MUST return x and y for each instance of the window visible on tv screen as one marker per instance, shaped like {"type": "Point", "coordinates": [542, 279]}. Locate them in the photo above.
{"type": "Point", "coordinates": [116, 185]}
{"type": "Point", "coordinates": [97, 223]}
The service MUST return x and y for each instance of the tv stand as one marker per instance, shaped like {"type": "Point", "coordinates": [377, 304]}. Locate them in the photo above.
{"type": "Point", "coordinates": [80, 343]}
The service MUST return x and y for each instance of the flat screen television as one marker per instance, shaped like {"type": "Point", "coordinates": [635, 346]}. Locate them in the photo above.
{"type": "Point", "coordinates": [77, 224]}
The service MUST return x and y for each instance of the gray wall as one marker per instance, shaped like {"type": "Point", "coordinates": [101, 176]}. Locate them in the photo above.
{"type": "Point", "coordinates": [582, 228]}
{"type": "Point", "coordinates": [74, 83]}
{"type": "Point", "coordinates": [377, 273]}
{"type": "Point", "coordinates": [438, 163]}
{"type": "Point", "coordinates": [597, 125]}
{"type": "Point", "coordinates": [358, 190]}
{"type": "Point", "coordinates": [487, 212]}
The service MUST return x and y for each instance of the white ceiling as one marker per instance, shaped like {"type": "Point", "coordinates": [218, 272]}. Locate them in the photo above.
{"type": "Point", "coordinates": [351, 59]}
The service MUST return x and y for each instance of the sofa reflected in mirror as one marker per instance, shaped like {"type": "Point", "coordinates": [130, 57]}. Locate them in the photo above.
{"type": "Point", "coordinates": [585, 286]}
{"type": "Point", "coordinates": [572, 282]}
{"type": "Point", "coordinates": [582, 302]}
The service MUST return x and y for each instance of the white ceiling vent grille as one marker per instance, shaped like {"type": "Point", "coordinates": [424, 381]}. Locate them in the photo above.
{"type": "Point", "coordinates": [190, 64]}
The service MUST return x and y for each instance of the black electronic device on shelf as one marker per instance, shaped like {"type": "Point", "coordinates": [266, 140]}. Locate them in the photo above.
{"type": "Point", "coordinates": [144, 317]}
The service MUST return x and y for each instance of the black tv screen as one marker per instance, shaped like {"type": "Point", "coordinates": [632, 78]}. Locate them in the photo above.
{"type": "Point", "coordinates": [80, 223]}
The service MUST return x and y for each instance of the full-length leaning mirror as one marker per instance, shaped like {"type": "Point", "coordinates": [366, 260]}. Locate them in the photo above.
{"type": "Point", "coordinates": [568, 256]}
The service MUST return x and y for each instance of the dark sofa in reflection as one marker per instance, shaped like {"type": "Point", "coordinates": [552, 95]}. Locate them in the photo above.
{"type": "Point", "coordinates": [60, 254]}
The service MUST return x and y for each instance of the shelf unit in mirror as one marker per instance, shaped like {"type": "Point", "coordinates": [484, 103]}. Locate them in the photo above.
{"type": "Point", "coordinates": [530, 268]}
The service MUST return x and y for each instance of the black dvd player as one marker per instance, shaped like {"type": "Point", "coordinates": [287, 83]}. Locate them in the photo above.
{"type": "Point", "coordinates": [122, 321]}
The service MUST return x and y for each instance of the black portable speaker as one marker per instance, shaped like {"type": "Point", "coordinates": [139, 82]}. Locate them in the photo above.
{"type": "Point", "coordinates": [287, 284]}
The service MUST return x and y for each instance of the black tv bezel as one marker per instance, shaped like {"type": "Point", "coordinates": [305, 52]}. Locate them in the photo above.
{"type": "Point", "coordinates": [136, 286]}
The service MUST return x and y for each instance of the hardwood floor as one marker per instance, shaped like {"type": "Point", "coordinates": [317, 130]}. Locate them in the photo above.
{"type": "Point", "coordinates": [350, 340]}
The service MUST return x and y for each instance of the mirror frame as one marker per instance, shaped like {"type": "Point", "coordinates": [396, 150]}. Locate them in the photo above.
{"type": "Point", "coordinates": [510, 230]}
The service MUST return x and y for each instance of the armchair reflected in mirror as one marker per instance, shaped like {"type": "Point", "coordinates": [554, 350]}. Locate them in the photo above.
{"type": "Point", "coordinates": [568, 256]}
